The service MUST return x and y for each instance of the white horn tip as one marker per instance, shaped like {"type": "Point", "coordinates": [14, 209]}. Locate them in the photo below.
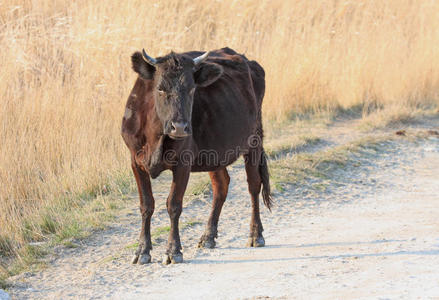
{"type": "Point", "coordinates": [201, 58]}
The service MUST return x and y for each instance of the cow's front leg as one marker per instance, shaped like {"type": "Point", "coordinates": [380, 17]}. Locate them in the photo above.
{"type": "Point", "coordinates": [142, 255]}
{"type": "Point", "coordinates": [180, 177]}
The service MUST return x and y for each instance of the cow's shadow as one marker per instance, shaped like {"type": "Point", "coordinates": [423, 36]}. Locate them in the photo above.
{"type": "Point", "coordinates": [425, 252]}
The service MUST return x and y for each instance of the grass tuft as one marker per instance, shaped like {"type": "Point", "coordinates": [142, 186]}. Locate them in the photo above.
{"type": "Point", "coordinates": [321, 167]}
{"type": "Point", "coordinates": [4, 274]}
{"type": "Point", "coordinates": [199, 185]}
{"type": "Point", "coordinates": [191, 223]}
{"type": "Point", "coordinates": [395, 117]}
{"type": "Point", "coordinates": [48, 223]}
{"type": "Point", "coordinates": [290, 144]}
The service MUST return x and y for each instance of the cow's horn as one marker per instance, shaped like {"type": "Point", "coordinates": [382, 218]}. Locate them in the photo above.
{"type": "Point", "coordinates": [148, 59]}
{"type": "Point", "coordinates": [201, 58]}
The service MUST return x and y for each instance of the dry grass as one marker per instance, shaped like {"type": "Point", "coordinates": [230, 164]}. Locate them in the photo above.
{"type": "Point", "coordinates": [65, 75]}
{"type": "Point", "coordinates": [395, 116]}
{"type": "Point", "coordinates": [322, 168]}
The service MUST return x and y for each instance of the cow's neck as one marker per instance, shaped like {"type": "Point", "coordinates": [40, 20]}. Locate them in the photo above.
{"type": "Point", "coordinates": [154, 141]}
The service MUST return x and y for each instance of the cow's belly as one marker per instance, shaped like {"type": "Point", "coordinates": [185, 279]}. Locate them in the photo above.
{"type": "Point", "coordinates": [207, 161]}
{"type": "Point", "coordinates": [222, 145]}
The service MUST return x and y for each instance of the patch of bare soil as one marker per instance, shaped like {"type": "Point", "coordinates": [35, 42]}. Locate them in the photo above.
{"type": "Point", "coordinates": [372, 233]}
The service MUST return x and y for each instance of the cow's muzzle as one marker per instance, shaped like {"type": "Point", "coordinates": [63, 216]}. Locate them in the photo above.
{"type": "Point", "coordinates": [179, 130]}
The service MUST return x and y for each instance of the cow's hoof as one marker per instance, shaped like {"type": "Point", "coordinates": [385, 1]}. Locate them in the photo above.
{"type": "Point", "coordinates": [144, 259]}
{"type": "Point", "coordinates": [256, 242]}
{"type": "Point", "coordinates": [166, 259]}
{"type": "Point", "coordinates": [176, 258]}
{"type": "Point", "coordinates": [135, 259]}
{"type": "Point", "coordinates": [141, 259]}
{"type": "Point", "coordinates": [206, 242]}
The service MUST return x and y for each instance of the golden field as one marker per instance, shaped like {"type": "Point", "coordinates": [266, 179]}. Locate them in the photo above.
{"type": "Point", "coordinates": [66, 73]}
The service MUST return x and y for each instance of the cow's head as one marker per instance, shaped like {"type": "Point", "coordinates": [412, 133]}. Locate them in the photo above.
{"type": "Point", "coordinates": [175, 78]}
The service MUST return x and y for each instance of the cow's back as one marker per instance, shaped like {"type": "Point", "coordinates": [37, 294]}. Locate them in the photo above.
{"type": "Point", "coordinates": [228, 112]}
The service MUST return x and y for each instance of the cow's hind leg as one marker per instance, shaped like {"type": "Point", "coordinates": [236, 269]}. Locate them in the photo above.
{"type": "Point", "coordinates": [220, 186]}
{"type": "Point", "coordinates": [252, 163]}
{"type": "Point", "coordinates": [142, 255]}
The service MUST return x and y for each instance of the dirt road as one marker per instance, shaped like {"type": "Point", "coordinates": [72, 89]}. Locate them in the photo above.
{"type": "Point", "coordinates": [374, 233]}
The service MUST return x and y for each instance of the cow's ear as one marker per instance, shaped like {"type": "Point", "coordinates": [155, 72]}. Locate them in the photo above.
{"type": "Point", "coordinates": [207, 73]}
{"type": "Point", "coordinates": [141, 67]}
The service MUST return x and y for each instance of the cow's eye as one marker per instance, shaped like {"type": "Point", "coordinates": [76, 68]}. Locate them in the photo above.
{"type": "Point", "coordinates": [161, 92]}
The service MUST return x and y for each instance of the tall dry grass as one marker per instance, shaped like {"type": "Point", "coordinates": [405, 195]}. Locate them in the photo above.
{"type": "Point", "coordinates": [65, 75]}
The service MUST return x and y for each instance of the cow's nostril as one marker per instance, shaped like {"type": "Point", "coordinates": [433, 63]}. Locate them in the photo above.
{"type": "Point", "coordinates": [179, 129]}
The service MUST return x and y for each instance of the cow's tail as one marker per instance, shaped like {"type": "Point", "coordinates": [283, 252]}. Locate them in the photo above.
{"type": "Point", "coordinates": [265, 178]}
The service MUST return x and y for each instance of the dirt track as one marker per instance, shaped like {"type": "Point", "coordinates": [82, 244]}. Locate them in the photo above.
{"type": "Point", "coordinates": [375, 237]}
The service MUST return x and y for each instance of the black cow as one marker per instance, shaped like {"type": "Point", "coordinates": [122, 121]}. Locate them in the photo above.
{"type": "Point", "coordinates": [195, 112]}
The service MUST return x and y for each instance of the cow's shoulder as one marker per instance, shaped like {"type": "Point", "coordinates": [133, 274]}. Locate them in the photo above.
{"type": "Point", "coordinates": [134, 118]}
